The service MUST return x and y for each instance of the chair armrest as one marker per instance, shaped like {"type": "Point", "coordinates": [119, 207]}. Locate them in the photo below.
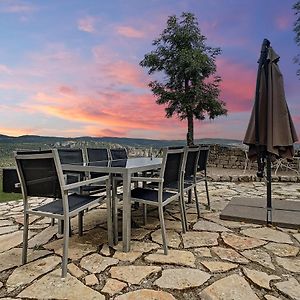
{"type": "Point", "coordinates": [17, 185]}
{"type": "Point", "coordinates": [85, 182]}
{"type": "Point", "coordinates": [152, 179]}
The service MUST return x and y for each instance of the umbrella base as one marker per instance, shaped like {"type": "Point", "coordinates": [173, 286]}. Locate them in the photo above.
{"type": "Point", "coordinates": [284, 213]}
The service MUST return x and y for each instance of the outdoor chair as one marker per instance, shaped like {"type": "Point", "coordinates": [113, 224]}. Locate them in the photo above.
{"type": "Point", "coordinates": [118, 153]}
{"type": "Point", "coordinates": [41, 175]}
{"type": "Point", "coordinates": [201, 170]}
{"type": "Point", "coordinates": [171, 173]}
{"type": "Point", "coordinates": [96, 155]}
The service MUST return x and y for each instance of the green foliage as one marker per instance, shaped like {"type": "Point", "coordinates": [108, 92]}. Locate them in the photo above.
{"type": "Point", "coordinates": [191, 88]}
{"type": "Point", "coordinates": [4, 197]}
{"type": "Point", "coordinates": [296, 7]}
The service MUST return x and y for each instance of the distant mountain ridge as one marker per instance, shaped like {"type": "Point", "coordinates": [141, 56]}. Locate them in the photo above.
{"type": "Point", "coordinates": [134, 142]}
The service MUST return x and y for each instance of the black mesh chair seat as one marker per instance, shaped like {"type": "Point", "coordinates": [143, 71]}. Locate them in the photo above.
{"type": "Point", "coordinates": [150, 195]}
{"type": "Point", "coordinates": [93, 188]}
{"type": "Point", "coordinates": [75, 201]}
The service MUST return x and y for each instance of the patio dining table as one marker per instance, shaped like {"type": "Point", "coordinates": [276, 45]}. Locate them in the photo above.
{"type": "Point", "coordinates": [125, 168]}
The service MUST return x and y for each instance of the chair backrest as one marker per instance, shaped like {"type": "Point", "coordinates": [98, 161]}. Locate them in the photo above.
{"type": "Point", "coordinates": [40, 173]}
{"type": "Point", "coordinates": [191, 161]}
{"type": "Point", "coordinates": [119, 153]}
{"type": "Point", "coordinates": [97, 154]}
{"type": "Point", "coordinates": [172, 167]}
{"type": "Point", "coordinates": [203, 158]}
{"type": "Point", "coordinates": [69, 156]}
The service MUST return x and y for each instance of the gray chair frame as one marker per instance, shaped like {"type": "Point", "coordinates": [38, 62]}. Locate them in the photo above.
{"type": "Point", "coordinates": [163, 197]}
{"type": "Point", "coordinates": [54, 209]}
{"type": "Point", "coordinates": [201, 171]}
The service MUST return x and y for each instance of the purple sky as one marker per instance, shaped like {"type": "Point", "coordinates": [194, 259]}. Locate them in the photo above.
{"type": "Point", "coordinates": [71, 68]}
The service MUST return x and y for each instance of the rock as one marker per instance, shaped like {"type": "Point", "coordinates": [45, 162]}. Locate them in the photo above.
{"type": "Point", "coordinates": [218, 266]}
{"type": "Point", "coordinates": [146, 294]}
{"type": "Point", "coordinates": [12, 257]}
{"type": "Point", "coordinates": [113, 286]}
{"type": "Point", "coordinates": [297, 237]}
{"type": "Point", "coordinates": [282, 250]}
{"type": "Point", "coordinates": [180, 279]}
{"type": "Point", "coordinates": [133, 274]}
{"type": "Point", "coordinates": [75, 271]}
{"type": "Point", "coordinates": [5, 222]}
{"type": "Point", "coordinates": [233, 287]}
{"type": "Point", "coordinates": [270, 297]}
{"type": "Point", "coordinates": [29, 272]}
{"type": "Point", "coordinates": [43, 237]}
{"type": "Point", "coordinates": [259, 256]}
{"type": "Point", "coordinates": [70, 288]}
{"type": "Point", "coordinates": [199, 239]}
{"type": "Point", "coordinates": [96, 263]}
{"type": "Point", "coordinates": [8, 229]}
{"type": "Point", "coordinates": [105, 250]}
{"type": "Point", "coordinates": [241, 243]}
{"type": "Point", "coordinates": [10, 240]}
{"type": "Point", "coordinates": [173, 238]}
{"type": "Point", "coordinates": [260, 278]}
{"type": "Point", "coordinates": [204, 225]}
{"type": "Point", "coordinates": [176, 257]}
{"type": "Point", "coordinates": [139, 233]}
{"type": "Point", "coordinates": [230, 255]}
{"type": "Point", "coordinates": [204, 252]}
{"type": "Point", "coordinates": [289, 264]}
{"type": "Point", "coordinates": [1, 284]}
{"type": "Point", "coordinates": [291, 288]}
{"type": "Point", "coordinates": [268, 234]}
{"type": "Point", "coordinates": [91, 280]}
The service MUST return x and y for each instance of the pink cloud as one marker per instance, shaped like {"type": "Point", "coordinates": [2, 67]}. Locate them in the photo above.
{"type": "Point", "coordinates": [130, 32]}
{"type": "Point", "coordinates": [87, 24]}
{"type": "Point", "coordinates": [283, 22]}
{"type": "Point", "coordinates": [14, 6]}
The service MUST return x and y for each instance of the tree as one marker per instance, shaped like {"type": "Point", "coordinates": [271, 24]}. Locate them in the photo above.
{"type": "Point", "coordinates": [296, 7]}
{"type": "Point", "coordinates": [191, 88]}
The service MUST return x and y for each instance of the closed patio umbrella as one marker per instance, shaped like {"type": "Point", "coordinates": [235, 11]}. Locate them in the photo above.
{"type": "Point", "coordinates": [271, 131]}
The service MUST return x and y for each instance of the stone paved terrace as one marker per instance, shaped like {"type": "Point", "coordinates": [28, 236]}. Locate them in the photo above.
{"type": "Point", "coordinates": [215, 259]}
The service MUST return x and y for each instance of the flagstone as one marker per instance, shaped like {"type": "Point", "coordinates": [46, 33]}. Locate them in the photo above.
{"type": "Point", "coordinates": [218, 266]}
{"type": "Point", "coordinates": [43, 237]}
{"type": "Point", "coordinates": [297, 237]}
{"type": "Point", "coordinates": [229, 255]}
{"type": "Point", "coordinates": [139, 233]}
{"type": "Point", "coordinates": [96, 263]}
{"type": "Point", "coordinates": [146, 294]}
{"type": "Point", "coordinates": [52, 284]}
{"type": "Point", "coordinates": [30, 271]}
{"type": "Point", "coordinates": [268, 234]}
{"type": "Point", "coordinates": [290, 264]}
{"type": "Point", "coordinates": [75, 271]}
{"type": "Point", "coordinates": [204, 225]}
{"type": "Point", "coordinates": [173, 238]}
{"type": "Point", "coordinates": [12, 257]}
{"type": "Point", "coordinates": [6, 222]}
{"type": "Point", "coordinates": [261, 279]}
{"type": "Point", "coordinates": [199, 239]}
{"type": "Point", "coordinates": [133, 274]}
{"type": "Point", "coordinates": [241, 243]}
{"type": "Point", "coordinates": [282, 250]}
{"type": "Point", "coordinates": [291, 288]}
{"type": "Point", "coordinates": [233, 287]}
{"type": "Point", "coordinates": [8, 229]}
{"type": "Point", "coordinates": [204, 252]}
{"type": "Point", "coordinates": [10, 240]}
{"type": "Point", "coordinates": [91, 279]}
{"type": "Point", "coordinates": [113, 286]}
{"type": "Point", "coordinates": [105, 250]}
{"type": "Point", "coordinates": [20, 219]}
{"type": "Point", "coordinates": [182, 278]}
{"type": "Point", "coordinates": [259, 256]}
{"type": "Point", "coordinates": [270, 297]}
{"type": "Point", "coordinates": [176, 257]}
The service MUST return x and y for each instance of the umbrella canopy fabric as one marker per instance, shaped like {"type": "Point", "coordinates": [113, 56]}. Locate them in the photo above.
{"type": "Point", "coordinates": [275, 126]}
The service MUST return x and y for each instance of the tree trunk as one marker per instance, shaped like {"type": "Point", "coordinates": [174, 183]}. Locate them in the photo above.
{"type": "Point", "coordinates": [190, 133]}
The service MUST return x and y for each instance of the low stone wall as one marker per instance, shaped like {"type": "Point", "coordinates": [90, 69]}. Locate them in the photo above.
{"type": "Point", "coordinates": [230, 157]}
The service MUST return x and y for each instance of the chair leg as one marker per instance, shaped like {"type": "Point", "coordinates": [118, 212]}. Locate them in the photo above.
{"type": "Point", "coordinates": [197, 202]}
{"type": "Point", "coordinates": [110, 227]}
{"type": "Point", "coordinates": [25, 238]}
{"type": "Point", "coordinates": [182, 213]}
{"type": "Point", "coordinates": [190, 196]}
{"type": "Point", "coordinates": [163, 229]}
{"type": "Point", "coordinates": [207, 195]}
{"type": "Point", "coordinates": [80, 223]}
{"type": "Point", "coordinates": [145, 213]}
{"type": "Point", "coordinates": [52, 222]}
{"type": "Point", "coordinates": [114, 204]}
{"type": "Point", "coordinates": [65, 249]}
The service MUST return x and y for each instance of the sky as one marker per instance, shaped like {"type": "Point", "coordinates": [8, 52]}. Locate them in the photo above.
{"type": "Point", "coordinates": [71, 67]}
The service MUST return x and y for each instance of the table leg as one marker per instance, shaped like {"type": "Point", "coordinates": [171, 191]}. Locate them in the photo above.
{"type": "Point", "coordinates": [126, 226]}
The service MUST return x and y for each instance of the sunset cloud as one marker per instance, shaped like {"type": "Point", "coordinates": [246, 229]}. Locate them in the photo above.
{"type": "Point", "coordinates": [87, 24]}
{"type": "Point", "coordinates": [14, 6]}
{"type": "Point", "coordinates": [130, 32]}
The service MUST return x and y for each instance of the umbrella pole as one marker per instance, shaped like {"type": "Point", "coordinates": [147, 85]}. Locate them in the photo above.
{"type": "Point", "coordinates": [269, 189]}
